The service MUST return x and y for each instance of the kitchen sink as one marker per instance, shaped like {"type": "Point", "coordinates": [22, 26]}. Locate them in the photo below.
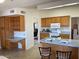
{"type": "Point", "coordinates": [63, 42]}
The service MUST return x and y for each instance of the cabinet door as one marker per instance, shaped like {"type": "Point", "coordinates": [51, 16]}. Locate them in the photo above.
{"type": "Point", "coordinates": [44, 35]}
{"type": "Point", "coordinates": [22, 23]}
{"type": "Point", "coordinates": [7, 27]}
{"type": "Point", "coordinates": [48, 22]}
{"type": "Point", "coordinates": [17, 23]}
{"type": "Point", "coordinates": [2, 32]}
{"type": "Point", "coordinates": [55, 20]}
{"type": "Point", "coordinates": [43, 22]}
{"type": "Point", "coordinates": [65, 20]}
{"type": "Point", "coordinates": [65, 36]}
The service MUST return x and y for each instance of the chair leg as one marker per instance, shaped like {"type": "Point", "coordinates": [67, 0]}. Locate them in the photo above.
{"type": "Point", "coordinates": [49, 57]}
{"type": "Point", "coordinates": [41, 57]}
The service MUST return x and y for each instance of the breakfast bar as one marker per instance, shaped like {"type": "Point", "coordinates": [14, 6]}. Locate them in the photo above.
{"type": "Point", "coordinates": [61, 45]}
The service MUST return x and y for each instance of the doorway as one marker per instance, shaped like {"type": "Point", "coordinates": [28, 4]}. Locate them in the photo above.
{"type": "Point", "coordinates": [75, 27]}
{"type": "Point", "coordinates": [35, 33]}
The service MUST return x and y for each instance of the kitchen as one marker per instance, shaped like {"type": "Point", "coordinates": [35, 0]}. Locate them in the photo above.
{"type": "Point", "coordinates": [56, 33]}
{"type": "Point", "coordinates": [59, 14]}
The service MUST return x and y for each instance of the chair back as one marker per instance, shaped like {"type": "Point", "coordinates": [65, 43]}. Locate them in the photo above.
{"type": "Point", "coordinates": [45, 50]}
{"type": "Point", "coordinates": [63, 54]}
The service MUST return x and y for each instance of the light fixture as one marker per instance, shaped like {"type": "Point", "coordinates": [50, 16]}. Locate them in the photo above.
{"type": "Point", "coordinates": [1, 1]}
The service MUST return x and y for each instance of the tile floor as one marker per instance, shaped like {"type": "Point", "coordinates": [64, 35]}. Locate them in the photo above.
{"type": "Point", "coordinates": [32, 53]}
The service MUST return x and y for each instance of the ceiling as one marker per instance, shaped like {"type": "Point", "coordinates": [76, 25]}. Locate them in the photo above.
{"type": "Point", "coordinates": [8, 4]}
{"type": "Point", "coordinates": [22, 3]}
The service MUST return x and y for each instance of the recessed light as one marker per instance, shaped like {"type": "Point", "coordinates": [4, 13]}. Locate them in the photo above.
{"type": "Point", "coordinates": [1, 1]}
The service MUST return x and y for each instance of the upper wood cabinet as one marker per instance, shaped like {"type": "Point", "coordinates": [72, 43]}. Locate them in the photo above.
{"type": "Point", "coordinates": [17, 23]}
{"type": "Point", "coordinates": [2, 32]}
{"type": "Point", "coordinates": [48, 22]}
{"type": "Point", "coordinates": [43, 22]}
{"type": "Point", "coordinates": [65, 21]}
{"type": "Point", "coordinates": [55, 20]}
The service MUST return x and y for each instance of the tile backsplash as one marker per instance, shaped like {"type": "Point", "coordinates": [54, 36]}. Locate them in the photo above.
{"type": "Point", "coordinates": [64, 30]}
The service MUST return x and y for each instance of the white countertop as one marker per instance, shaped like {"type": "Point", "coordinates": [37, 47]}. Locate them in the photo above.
{"type": "Point", "coordinates": [16, 39]}
{"type": "Point", "coordinates": [63, 42]}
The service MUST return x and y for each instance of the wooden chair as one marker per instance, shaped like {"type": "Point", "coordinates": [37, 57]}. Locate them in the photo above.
{"type": "Point", "coordinates": [45, 52]}
{"type": "Point", "coordinates": [63, 54]}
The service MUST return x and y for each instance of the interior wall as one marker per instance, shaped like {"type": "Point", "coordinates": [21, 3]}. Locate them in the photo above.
{"type": "Point", "coordinates": [31, 17]}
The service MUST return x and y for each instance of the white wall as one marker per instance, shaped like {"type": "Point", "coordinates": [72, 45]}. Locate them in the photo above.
{"type": "Point", "coordinates": [17, 11]}
{"type": "Point", "coordinates": [31, 17]}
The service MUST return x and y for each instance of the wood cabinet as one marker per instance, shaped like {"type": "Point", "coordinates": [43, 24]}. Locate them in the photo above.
{"type": "Point", "coordinates": [55, 20]}
{"type": "Point", "coordinates": [63, 20]}
{"type": "Point", "coordinates": [17, 23]}
{"type": "Point", "coordinates": [23, 44]}
{"type": "Point", "coordinates": [44, 35]}
{"type": "Point", "coordinates": [65, 36]}
{"type": "Point", "coordinates": [11, 45]}
{"type": "Point", "coordinates": [48, 21]}
{"type": "Point", "coordinates": [9, 24]}
{"type": "Point", "coordinates": [43, 22]}
{"type": "Point", "coordinates": [2, 32]}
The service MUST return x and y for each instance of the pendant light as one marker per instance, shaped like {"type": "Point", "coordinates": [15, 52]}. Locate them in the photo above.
{"type": "Point", "coordinates": [1, 1]}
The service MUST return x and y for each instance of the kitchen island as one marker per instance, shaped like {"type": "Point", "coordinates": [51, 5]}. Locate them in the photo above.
{"type": "Point", "coordinates": [61, 45]}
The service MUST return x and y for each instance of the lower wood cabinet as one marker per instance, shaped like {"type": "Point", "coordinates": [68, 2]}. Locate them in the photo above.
{"type": "Point", "coordinates": [11, 44]}
{"type": "Point", "coordinates": [44, 35]}
{"type": "Point", "coordinates": [65, 36]}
